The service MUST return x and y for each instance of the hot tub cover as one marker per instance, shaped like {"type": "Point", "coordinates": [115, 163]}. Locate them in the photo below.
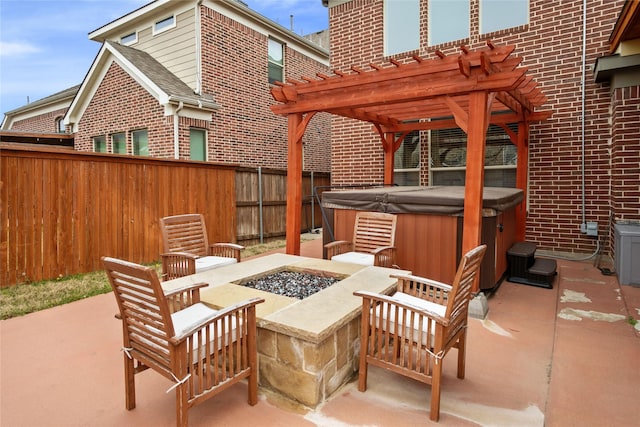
{"type": "Point", "coordinates": [434, 200]}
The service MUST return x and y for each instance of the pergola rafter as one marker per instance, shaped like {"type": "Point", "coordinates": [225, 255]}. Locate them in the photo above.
{"type": "Point", "coordinates": [469, 90]}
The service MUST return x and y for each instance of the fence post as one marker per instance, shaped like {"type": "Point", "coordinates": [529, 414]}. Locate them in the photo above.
{"type": "Point", "coordinates": [260, 204]}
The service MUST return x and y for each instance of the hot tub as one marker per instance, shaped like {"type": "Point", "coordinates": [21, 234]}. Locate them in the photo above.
{"type": "Point", "coordinates": [429, 229]}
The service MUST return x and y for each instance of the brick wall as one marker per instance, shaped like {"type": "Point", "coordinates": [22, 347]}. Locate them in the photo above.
{"type": "Point", "coordinates": [120, 104]}
{"type": "Point", "coordinates": [44, 123]}
{"type": "Point", "coordinates": [244, 130]}
{"type": "Point", "coordinates": [625, 154]}
{"type": "Point", "coordinates": [551, 46]}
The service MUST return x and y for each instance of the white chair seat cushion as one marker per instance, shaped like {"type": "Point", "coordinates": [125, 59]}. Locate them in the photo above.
{"type": "Point", "coordinates": [417, 302]}
{"type": "Point", "coordinates": [195, 314]}
{"type": "Point", "coordinates": [210, 262]}
{"type": "Point", "coordinates": [191, 316]}
{"type": "Point", "coordinates": [354, 258]}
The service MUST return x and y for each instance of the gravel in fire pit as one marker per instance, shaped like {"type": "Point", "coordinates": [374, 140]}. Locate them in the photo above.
{"type": "Point", "coordinates": [292, 284]}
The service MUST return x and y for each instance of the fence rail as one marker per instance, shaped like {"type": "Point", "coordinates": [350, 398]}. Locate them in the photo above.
{"type": "Point", "coordinates": [62, 210]}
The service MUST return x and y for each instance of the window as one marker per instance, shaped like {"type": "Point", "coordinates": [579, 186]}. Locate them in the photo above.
{"type": "Point", "coordinates": [197, 144]}
{"type": "Point", "coordinates": [60, 128]}
{"type": "Point", "coordinates": [500, 14]}
{"type": "Point", "coordinates": [448, 21]}
{"type": "Point", "coordinates": [276, 61]}
{"type": "Point", "coordinates": [100, 144]}
{"type": "Point", "coordinates": [119, 143]}
{"type": "Point", "coordinates": [129, 39]}
{"type": "Point", "coordinates": [401, 26]}
{"type": "Point", "coordinates": [164, 24]}
{"type": "Point", "coordinates": [406, 161]}
{"type": "Point", "coordinates": [140, 141]}
{"type": "Point", "coordinates": [449, 157]}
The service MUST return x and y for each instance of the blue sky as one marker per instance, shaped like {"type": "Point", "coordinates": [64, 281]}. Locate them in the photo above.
{"type": "Point", "coordinates": [44, 44]}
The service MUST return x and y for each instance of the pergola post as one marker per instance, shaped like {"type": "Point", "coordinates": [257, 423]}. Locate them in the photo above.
{"type": "Point", "coordinates": [474, 180]}
{"type": "Point", "coordinates": [389, 151]}
{"type": "Point", "coordinates": [294, 183]}
{"type": "Point", "coordinates": [522, 172]}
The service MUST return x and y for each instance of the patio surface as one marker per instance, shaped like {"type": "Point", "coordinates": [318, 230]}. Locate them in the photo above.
{"type": "Point", "coordinates": [565, 356]}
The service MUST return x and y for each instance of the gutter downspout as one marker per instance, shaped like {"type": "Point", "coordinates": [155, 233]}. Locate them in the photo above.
{"type": "Point", "coordinates": [198, 48]}
{"type": "Point", "coordinates": [176, 131]}
{"type": "Point", "coordinates": [583, 227]}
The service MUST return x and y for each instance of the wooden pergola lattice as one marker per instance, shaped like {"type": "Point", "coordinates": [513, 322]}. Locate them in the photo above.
{"type": "Point", "coordinates": [469, 90]}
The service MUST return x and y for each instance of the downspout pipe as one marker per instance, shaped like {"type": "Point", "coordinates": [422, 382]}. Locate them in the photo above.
{"type": "Point", "coordinates": [176, 131]}
{"type": "Point", "coordinates": [583, 226]}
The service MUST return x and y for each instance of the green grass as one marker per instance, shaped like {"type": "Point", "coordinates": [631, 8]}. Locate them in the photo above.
{"type": "Point", "coordinates": [30, 297]}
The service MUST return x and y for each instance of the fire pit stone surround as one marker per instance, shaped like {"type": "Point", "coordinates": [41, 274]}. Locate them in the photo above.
{"type": "Point", "coordinates": [307, 348]}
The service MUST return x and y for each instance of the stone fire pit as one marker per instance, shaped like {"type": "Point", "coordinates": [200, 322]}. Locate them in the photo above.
{"type": "Point", "coordinates": [307, 348]}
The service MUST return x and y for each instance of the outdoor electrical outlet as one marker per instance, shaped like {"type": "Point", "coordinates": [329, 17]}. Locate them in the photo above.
{"type": "Point", "coordinates": [590, 229]}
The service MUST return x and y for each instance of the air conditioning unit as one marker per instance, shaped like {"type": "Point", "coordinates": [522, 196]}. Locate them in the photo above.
{"type": "Point", "coordinates": [627, 253]}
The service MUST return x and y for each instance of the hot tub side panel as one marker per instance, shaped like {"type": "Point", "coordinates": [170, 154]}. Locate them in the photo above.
{"type": "Point", "coordinates": [426, 244]}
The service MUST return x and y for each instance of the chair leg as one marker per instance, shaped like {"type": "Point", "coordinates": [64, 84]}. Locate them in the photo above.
{"type": "Point", "coordinates": [462, 348]}
{"type": "Point", "coordinates": [434, 415]}
{"type": "Point", "coordinates": [182, 405]}
{"type": "Point", "coordinates": [129, 383]}
{"type": "Point", "coordinates": [364, 348]}
{"type": "Point", "coordinates": [252, 385]}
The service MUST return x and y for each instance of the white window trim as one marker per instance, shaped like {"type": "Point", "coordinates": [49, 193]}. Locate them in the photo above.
{"type": "Point", "coordinates": [283, 47]}
{"type": "Point", "coordinates": [133, 41]}
{"type": "Point", "coordinates": [167, 28]}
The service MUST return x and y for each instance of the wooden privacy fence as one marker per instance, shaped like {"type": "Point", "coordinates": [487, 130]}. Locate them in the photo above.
{"type": "Point", "coordinates": [62, 210]}
{"type": "Point", "coordinates": [261, 202]}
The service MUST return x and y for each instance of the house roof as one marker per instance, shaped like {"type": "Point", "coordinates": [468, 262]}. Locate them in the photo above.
{"type": "Point", "coordinates": [165, 80]}
{"type": "Point", "coordinates": [627, 26]}
{"type": "Point", "coordinates": [56, 97]}
{"type": "Point", "coordinates": [113, 28]}
{"type": "Point", "coordinates": [163, 85]}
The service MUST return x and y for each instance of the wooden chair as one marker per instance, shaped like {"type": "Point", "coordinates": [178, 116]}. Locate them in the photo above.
{"type": "Point", "coordinates": [373, 242]}
{"type": "Point", "coordinates": [412, 331]}
{"type": "Point", "coordinates": [202, 350]}
{"type": "Point", "coordinates": [187, 250]}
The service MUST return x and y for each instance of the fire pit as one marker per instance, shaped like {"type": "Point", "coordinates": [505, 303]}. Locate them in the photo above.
{"type": "Point", "coordinates": [307, 348]}
{"type": "Point", "coordinates": [293, 283]}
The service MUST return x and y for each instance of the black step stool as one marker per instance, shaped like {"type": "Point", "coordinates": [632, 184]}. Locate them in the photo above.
{"type": "Point", "coordinates": [525, 268]}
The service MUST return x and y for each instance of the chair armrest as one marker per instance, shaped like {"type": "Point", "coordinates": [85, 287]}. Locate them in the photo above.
{"type": "Point", "coordinates": [228, 250]}
{"type": "Point", "coordinates": [375, 299]}
{"type": "Point", "coordinates": [194, 288]}
{"type": "Point", "coordinates": [177, 264]}
{"type": "Point", "coordinates": [421, 287]}
{"type": "Point", "coordinates": [246, 306]}
{"type": "Point", "coordinates": [338, 247]}
{"type": "Point", "coordinates": [385, 256]}
{"type": "Point", "coordinates": [184, 296]}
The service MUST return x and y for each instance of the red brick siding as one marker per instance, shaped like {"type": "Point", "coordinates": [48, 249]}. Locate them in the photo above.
{"type": "Point", "coordinates": [44, 123]}
{"type": "Point", "coordinates": [551, 46]}
{"type": "Point", "coordinates": [245, 131]}
{"type": "Point", "coordinates": [120, 104]}
{"type": "Point", "coordinates": [625, 154]}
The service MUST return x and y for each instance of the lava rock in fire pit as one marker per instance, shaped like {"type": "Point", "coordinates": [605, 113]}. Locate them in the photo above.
{"type": "Point", "coordinates": [292, 284]}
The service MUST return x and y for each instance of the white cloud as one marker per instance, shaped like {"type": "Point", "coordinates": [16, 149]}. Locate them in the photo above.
{"type": "Point", "coordinates": [17, 48]}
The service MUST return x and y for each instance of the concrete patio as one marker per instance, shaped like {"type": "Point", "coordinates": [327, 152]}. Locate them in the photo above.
{"type": "Point", "coordinates": [565, 356]}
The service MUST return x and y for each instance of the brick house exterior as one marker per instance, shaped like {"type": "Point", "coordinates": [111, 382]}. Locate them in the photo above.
{"type": "Point", "coordinates": [42, 116]}
{"type": "Point", "coordinates": [209, 71]}
{"type": "Point", "coordinates": [550, 44]}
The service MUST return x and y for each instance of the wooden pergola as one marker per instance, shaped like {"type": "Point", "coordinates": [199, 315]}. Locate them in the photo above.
{"type": "Point", "coordinates": [469, 90]}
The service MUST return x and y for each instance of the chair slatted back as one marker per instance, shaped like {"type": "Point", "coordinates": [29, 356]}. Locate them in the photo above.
{"type": "Point", "coordinates": [458, 303]}
{"type": "Point", "coordinates": [146, 319]}
{"type": "Point", "coordinates": [185, 233]}
{"type": "Point", "coordinates": [373, 230]}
